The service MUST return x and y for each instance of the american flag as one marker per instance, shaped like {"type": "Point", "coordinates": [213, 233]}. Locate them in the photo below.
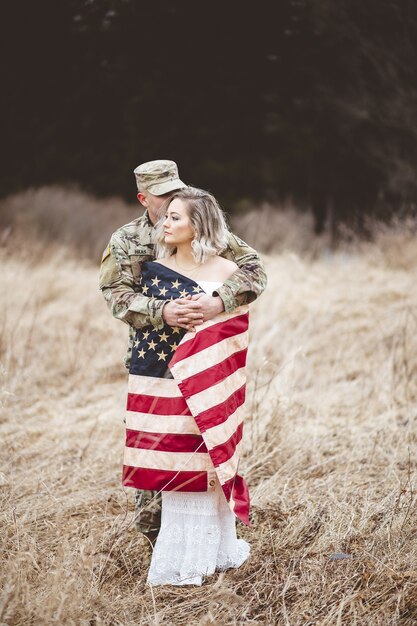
{"type": "Point", "coordinates": [185, 405]}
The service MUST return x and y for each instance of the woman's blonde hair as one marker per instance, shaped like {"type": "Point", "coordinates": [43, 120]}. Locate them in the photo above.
{"type": "Point", "coordinates": [207, 220]}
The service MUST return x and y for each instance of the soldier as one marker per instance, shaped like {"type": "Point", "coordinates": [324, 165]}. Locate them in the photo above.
{"type": "Point", "coordinates": [120, 276]}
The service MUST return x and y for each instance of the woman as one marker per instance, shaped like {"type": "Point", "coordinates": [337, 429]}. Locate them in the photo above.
{"type": "Point", "coordinates": [185, 403]}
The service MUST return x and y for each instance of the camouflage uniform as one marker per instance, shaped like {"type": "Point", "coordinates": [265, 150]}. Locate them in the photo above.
{"type": "Point", "coordinates": [119, 281]}
{"type": "Point", "coordinates": [148, 513]}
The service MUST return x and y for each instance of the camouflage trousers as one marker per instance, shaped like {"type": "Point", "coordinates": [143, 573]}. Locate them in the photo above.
{"type": "Point", "coordinates": [148, 513]}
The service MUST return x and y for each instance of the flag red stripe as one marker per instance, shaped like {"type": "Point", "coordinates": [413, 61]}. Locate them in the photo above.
{"type": "Point", "coordinates": [157, 405]}
{"type": "Point", "coordinates": [223, 452]}
{"type": "Point", "coordinates": [220, 413]}
{"type": "Point", "coordinates": [211, 335]}
{"type": "Point", "coordinates": [238, 489]}
{"type": "Point", "coordinates": [157, 480]}
{"type": "Point", "coordinates": [164, 442]}
{"type": "Point", "coordinates": [214, 374]}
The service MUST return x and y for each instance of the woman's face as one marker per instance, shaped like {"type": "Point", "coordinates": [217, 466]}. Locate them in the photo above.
{"type": "Point", "coordinates": [177, 224]}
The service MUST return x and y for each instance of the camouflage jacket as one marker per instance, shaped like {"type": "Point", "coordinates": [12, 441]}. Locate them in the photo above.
{"type": "Point", "coordinates": [120, 275]}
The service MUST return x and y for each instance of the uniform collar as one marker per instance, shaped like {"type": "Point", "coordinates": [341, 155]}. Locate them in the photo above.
{"type": "Point", "coordinates": [148, 219]}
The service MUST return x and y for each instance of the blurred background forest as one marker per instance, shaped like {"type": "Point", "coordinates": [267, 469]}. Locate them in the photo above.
{"type": "Point", "coordinates": [312, 101]}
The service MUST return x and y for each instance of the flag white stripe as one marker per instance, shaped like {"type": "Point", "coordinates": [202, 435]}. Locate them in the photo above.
{"type": "Point", "coordinates": [216, 394]}
{"type": "Point", "coordinates": [152, 386]}
{"type": "Point", "coordinates": [210, 356]}
{"type": "Point", "coordinates": [175, 424]}
{"type": "Point", "coordinates": [169, 461]}
{"type": "Point", "coordinates": [217, 435]}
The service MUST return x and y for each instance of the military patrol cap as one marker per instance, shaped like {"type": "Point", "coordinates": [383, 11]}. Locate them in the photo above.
{"type": "Point", "coordinates": [158, 177]}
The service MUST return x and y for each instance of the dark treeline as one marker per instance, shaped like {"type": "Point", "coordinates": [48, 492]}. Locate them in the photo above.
{"type": "Point", "coordinates": [312, 99]}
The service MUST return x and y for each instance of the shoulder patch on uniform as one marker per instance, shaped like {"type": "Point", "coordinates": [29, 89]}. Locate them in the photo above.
{"type": "Point", "coordinates": [106, 253]}
{"type": "Point", "coordinates": [241, 242]}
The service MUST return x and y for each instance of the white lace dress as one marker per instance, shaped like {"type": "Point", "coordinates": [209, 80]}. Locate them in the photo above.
{"type": "Point", "coordinates": [198, 532]}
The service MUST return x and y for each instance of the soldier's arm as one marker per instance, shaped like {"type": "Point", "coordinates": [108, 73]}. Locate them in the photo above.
{"type": "Point", "coordinates": [120, 288]}
{"type": "Point", "coordinates": [248, 282]}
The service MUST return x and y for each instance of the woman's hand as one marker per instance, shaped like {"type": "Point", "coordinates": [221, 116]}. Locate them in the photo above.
{"type": "Point", "coordinates": [183, 312]}
{"type": "Point", "coordinates": [210, 305]}
{"type": "Point", "coordinates": [191, 311]}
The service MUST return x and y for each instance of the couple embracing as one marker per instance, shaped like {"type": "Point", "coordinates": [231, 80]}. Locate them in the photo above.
{"type": "Point", "coordinates": [182, 282]}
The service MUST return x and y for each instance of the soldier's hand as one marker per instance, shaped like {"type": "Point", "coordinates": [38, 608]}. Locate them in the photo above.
{"type": "Point", "coordinates": [210, 305]}
{"type": "Point", "coordinates": [183, 312]}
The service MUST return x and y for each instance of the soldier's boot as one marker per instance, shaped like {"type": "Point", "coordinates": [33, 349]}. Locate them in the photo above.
{"type": "Point", "coordinates": [148, 513]}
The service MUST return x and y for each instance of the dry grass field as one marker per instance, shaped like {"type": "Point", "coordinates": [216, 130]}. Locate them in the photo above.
{"type": "Point", "coordinates": [330, 440]}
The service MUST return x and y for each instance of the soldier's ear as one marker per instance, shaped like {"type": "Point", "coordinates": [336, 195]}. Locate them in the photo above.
{"type": "Point", "coordinates": [142, 199]}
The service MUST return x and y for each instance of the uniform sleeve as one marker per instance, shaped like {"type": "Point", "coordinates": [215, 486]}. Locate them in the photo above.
{"type": "Point", "coordinates": [248, 282]}
{"type": "Point", "coordinates": [120, 289]}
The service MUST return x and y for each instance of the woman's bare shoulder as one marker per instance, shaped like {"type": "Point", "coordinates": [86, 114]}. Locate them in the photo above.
{"type": "Point", "coordinates": [225, 267]}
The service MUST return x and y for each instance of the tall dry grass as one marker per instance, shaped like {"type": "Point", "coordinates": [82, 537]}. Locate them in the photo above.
{"type": "Point", "coordinates": [330, 447]}
{"type": "Point", "coordinates": [56, 216]}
